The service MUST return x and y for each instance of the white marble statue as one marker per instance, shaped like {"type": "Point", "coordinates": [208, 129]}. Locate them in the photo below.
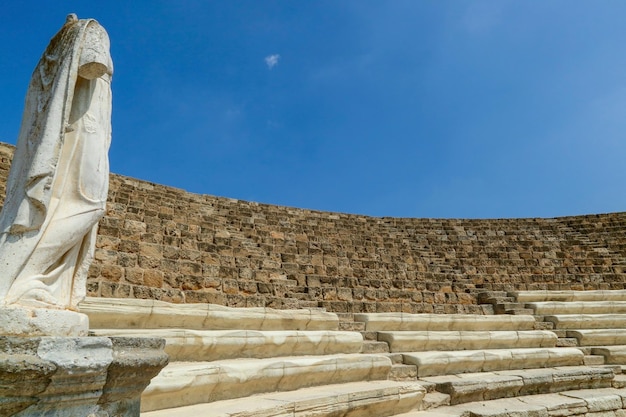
{"type": "Point", "coordinates": [58, 183]}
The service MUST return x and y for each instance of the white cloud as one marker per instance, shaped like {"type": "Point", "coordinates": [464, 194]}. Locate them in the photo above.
{"type": "Point", "coordinates": [272, 60]}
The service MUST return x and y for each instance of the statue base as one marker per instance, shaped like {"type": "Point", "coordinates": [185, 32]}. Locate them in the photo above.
{"type": "Point", "coordinates": [28, 322]}
{"type": "Point", "coordinates": [76, 376]}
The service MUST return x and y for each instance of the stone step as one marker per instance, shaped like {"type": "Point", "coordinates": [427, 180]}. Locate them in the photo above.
{"type": "Point", "coordinates": [122, 313]}
{"type": "Point", "coordinates": [491, 385]}
{"type": "Point", "coordinates": [402, 372]}
{"type": "Point", "coordinates": [439, 322]}
{"type": "Point", "coordinates": [351, 326]}
{"type": "Point", "coordinates": [619, 381]}
{"type": "Point", "coordinates": [413, 341]}
{"type": "Point", "coordinates": [593, 360]}
{"type": "Point", "coordinates": [463, 361]}
{"type": "Point", "coordinates": [373, 398]}
{"type": "Point", "coordinates": [369, 335]}
{"type": "Point", "coordinates": [372, 346]}
{"type": "Point", "coordinates": [185, 383]}
{"type": "Point", "coordinates": [546, 308]}
{"type": "Point", "coordinates": [434, 400]}
{"type": "Point", "coordinates": [598, 337]}
{"type": "Point", "coordinates": [592, 295]}
{"type": "Point", "coordinates": [587, 321]}
{"type": "Point", "coordinates": [613, 355]}
{"type": "Point", "coordinates": [396, 358]}
{"type": "Point", "coordinates": [205, 345]}
{"type": "Point", "coordinates": [567, 342]}
{"type": "Point", "coordinates": [542, 325]}
{"type": "Point", "coordinates": [603, 402]}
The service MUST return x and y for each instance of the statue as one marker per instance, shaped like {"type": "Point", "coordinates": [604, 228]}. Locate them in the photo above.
{"type": "Point", "coordinates": [58, 182]}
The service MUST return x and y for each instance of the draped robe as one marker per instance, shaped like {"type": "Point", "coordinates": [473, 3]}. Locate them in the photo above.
{"type": "Point", "coordinates": [58, 182]}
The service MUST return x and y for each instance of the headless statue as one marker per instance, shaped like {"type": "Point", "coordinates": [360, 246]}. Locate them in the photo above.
{"type": "Point", "coordinates": [58, 182]}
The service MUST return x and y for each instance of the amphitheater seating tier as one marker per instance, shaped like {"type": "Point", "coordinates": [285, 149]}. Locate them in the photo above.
{"type": "Point", "coordinates": [230, 362]}
{"type": "Point", "coordinates": [603, 402]}
{"type": "Point", "coordinates": [463, 361]}
{"type": "Point", "coordinates": [441, 322]}
{"type": "Point", "coordinates": [568, 296]}
{"type": "Point", "coordinates": [204, 345]}
{"type": "Point", "coordinates": [543, 308]}
{"type": "Point", "coordinates": [491, 385]}
{"type": "Point", "coordinates": [408, 341]}
{"type": "Point", "coordinates": [586, 321]}
{"type": "Point", "coordinates": [123, 313]}
{"type": "Point", "coordinates": [371, 398]}
{"type": "Point", "coordinates": [186, 383]}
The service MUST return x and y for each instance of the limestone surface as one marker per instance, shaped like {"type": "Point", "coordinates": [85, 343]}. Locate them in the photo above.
{"type": "Point", "coordinates": [569, 295]}
{"type": "Point", "coordinates": [30, 322]}
{"type": "Point", "coordinates": [372, 398]}
{"type": "Point", "coordinates": [442, 322]}
{"type": "Point", "coordinates": [587, 321]}
{"type": "Point", "coordinates": [577, 307]}
{"type": "Point", "coordinates": [187, 383]}
{"type": "Point", "coordinates": [463, 361]}
{"type": "Point", "coordinates": [411, 341]}
{"type": "Point", "coordinates": [203, 345]}
{"type": "Point", "coordinates": [113, 313]}
{"type": "Point", "coordinates": [83, 376]}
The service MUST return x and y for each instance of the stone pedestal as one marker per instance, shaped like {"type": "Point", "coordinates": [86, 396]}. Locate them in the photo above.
{"type": "Point", "coordinates": [76, 376]}
{"type": "Point", "coordinates": [30, 322]}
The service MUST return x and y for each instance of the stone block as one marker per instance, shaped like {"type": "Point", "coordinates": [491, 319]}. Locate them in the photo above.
{"type": "Point", "coordinates": [464, 361]}
{"type": "Point", "coordinates": [76, 376]}
{"type": "Point", "coordinates": [371, 398]}
{"type": "Point", "coordinates": [181, 384]}
{"type": "Point", "coordinates": [440, 322]}
{"type": "Point", "coordinates": [111, 313]}
{"type": "Point", "coordinates": [206, 345]}
{"type": "Point", "coordinates": [412, 341]}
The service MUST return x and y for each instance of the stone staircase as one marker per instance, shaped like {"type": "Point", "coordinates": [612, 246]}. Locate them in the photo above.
{"type": "Point", "coordinates": [592, 321]}
{"type": "Point", "coordinates": [255, 361]}
{"type": "Point", "coordinates": [469, 358]}
{"type": "Point", "coordinates": [229, 362]}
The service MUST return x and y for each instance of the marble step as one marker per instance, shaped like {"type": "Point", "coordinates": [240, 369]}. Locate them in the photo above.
{"type": "Point", "coordinates": [613, 355]}
{"type": "Point", "coordinates": [598, 337]}
{"type": "Point", "coordinates": [371, 398]}
{"type": "Point", "coordinates": [121, 313]}
{"type": "Point", "coordinates": [602, 402]}
{"type": "Point", "coordinates": [593, 295]}
{"type": "Point", "coordinates": [186, 383]}
{"type": "Point", "coordinates": [544, 308]}
{"type": "Point", "coordinates": [442, 322]}
{"type": "Point", "coordinates": [594, 360]}
{"type": "Point", "coordinates": [412, 341]}
{"type": "Point", "coordinates": [587, 321]}
{"type": "Point", "coordinates": [501, 384]}
{"type": "Point", "coordinates": [463, 361]}
{"type": "Point", "coordinates": [210, 345]}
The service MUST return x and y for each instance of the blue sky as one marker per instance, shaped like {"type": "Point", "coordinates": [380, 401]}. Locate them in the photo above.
{"type": "Point", "coordinates": [405, 108]}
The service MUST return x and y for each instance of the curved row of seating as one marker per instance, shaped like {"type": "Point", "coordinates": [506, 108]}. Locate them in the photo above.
{"type": "Point", "coordinates": [592, 322]}
{"type": "Point", "coordinates": [229, 362]}
{"type": "Point", "coordinates": [251, 362]}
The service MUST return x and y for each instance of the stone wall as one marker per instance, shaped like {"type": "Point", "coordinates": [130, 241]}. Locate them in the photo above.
{"type": "Point", "coordinates": [164, 243]}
